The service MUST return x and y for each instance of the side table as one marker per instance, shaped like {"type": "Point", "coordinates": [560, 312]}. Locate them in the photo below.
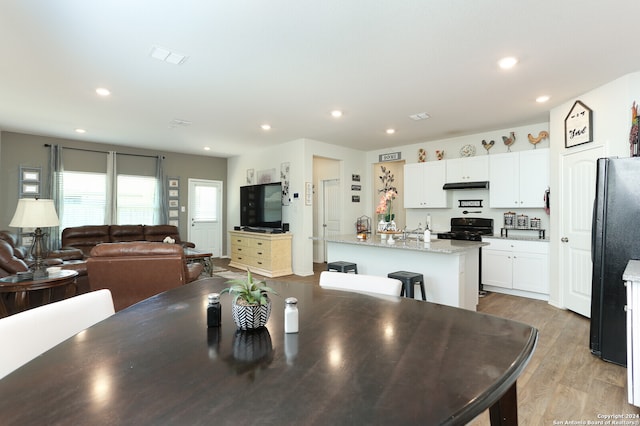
{"type": "Point", "coordinates": [19, 292]}
{"type": "Point", "coordinates": [193, 255]}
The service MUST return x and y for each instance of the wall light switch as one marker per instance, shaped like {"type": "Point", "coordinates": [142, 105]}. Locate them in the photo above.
{"type": "Point", "coordinates": [182, 209]}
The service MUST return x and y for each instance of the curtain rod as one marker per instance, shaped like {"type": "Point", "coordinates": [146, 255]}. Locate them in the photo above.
{"type": "Point", "coordinates": [48, 145]}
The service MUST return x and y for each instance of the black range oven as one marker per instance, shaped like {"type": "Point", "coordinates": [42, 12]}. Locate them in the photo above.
{"type": "Point", "coordinates": [470, 229]}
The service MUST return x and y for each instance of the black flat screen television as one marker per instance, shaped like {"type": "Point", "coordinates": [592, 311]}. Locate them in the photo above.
{"type": "Point", "coordinates": [261, 206]}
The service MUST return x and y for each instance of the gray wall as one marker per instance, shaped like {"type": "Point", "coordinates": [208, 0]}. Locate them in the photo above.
{"type": "Point", "coordinates": [28, 150]}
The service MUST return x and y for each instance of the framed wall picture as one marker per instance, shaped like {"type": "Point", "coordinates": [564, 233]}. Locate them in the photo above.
{"type": "Point", "coordinates": [173, 193]}
{"type": "Point", "coordinates": [29, 182]}
{"type": "Point", "coordinates": [174, 182]}
{"type": "Point", "coordinates": [173, 213]}
{"type": "Point", "coordinates": [578, 125]}
{"type": "Point", "coordinates": [173, 204]}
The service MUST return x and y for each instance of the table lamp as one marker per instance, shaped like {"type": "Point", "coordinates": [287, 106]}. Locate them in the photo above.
{"type": "Point", "coordinates": [36, 213]}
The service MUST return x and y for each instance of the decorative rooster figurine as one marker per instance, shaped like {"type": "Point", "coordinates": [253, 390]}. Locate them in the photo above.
{"type": "Point", "coordinates": [542, 135]}
{"type": "Point", "coordinates": [508, 141]}
{"type": "Point", "coordinates": [487, 145]}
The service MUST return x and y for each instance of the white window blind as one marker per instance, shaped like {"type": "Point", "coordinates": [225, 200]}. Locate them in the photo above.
{"type": "Point", "coordinates": [205, 205]}
{"type": "Point", "coordinates": [84, 199]}
{"type": "Point", "coordinates": [137, 202]}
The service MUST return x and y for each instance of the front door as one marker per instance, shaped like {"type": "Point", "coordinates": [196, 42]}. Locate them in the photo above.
{"type": "Point", "coordinates": [205, 215]}
{"type": "Point", "coordinates": [578, 194]}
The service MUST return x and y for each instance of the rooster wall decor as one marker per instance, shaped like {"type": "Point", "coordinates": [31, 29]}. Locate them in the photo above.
{"type": "Point", "coordinates": [542, 135]}
{"type": "Point", "coordinates": [487, 145]}
{"type": "Point", "coordinates": [508, 141]}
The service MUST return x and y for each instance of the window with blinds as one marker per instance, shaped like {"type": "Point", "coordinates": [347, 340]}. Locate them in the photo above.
{"type": "Point", "coordinates": [137, 202]}
{"type": "Point", "coordinates": [84, 199]}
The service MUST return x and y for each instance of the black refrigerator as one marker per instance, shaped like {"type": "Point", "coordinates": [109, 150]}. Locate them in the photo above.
{"type": "Point", "coordinates": [615, 239]}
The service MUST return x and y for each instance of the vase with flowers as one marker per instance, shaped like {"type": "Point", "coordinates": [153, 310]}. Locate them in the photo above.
{"type": "Point", "coordinates": [384, 210]}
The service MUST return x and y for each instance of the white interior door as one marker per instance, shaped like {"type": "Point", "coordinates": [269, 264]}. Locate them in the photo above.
{"type": "Point", "coordinates": [330, 209]}
{"type": "Point", "coordinates": [578, 194]}
{"type": "Point", "coordinates": [205, 215]}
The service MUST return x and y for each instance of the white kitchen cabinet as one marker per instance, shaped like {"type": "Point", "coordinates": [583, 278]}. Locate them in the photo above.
{"type": "Point", "coordinates": [516, 265]}
{"type": "Point", "coordinates": [468, 169]}
{"type": "Point", "coordinates": [518, 179]}
{"type": "Point", "coordinates": [423, 185]}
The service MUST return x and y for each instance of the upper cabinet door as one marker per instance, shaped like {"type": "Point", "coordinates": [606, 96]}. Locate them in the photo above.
{"type": "Point", "coordinates": [518, 179]}
{"type": "Point", "coordinates": [423, 185]}
{"type": "Point", "coordinates": [468, 169]}
{"type": "Point", "coordinates": [534, 177]}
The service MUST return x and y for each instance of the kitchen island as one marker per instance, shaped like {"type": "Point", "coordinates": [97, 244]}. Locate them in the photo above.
{"type": "Point", "coordinates": [450, 267]}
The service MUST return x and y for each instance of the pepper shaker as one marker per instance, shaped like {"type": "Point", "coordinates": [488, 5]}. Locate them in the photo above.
{"type": "Point", "coordinates": [214, 310]}
{"type": "Point", "coordinates": [291, 315]}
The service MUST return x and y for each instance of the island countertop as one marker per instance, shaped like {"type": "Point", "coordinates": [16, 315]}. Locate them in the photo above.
{"type": "Point", "coordinates": [436, 245]}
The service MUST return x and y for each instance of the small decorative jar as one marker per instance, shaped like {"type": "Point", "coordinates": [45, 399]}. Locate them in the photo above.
{"type": "Point", "coordinates": [523, 221]}
{"type": "Point", "coordinates": [534, 223]}
{"type": "Point", "coordinates": [509, 220]}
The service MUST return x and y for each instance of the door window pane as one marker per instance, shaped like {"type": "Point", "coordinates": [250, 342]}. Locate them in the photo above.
{"type": "Point", "coordinates": [205, 205]}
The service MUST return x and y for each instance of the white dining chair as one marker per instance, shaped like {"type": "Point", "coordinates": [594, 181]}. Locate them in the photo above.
{"type": "Point", "coordinates": [30, 333]}
{"type": "Point", "coordinates": [360, 283]}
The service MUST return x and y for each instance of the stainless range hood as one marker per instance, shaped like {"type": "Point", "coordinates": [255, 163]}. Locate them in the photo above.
{"type": "Point", "coordinates": [467, 185]}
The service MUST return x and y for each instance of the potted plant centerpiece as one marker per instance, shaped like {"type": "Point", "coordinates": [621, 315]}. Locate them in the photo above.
{"type": "Point", "coordinates": [251, 305]}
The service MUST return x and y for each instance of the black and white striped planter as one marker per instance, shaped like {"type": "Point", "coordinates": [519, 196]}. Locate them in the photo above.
{"type": "Point", "coordinates": [248, 317]}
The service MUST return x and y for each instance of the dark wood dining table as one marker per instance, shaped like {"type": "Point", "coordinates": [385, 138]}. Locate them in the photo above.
{"type": "Point", "coordinates": [358, 359]}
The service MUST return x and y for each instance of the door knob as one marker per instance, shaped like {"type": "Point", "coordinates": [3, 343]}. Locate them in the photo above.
{"type": "Point", "coordinates": [564, 239]}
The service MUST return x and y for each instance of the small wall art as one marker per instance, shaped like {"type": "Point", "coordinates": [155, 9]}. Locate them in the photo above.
{"type": "Point", "coordinates": [284, 179]}
{"type": "Point", "coordinates": [251, 177]}
{"type": "Point", "coordinates": [266, 176]}
{"type": "Point", "coordinates": [29, 182]}
{"type": "Point", "coordinates": [578, 125]}
{"type": "Point", "coordinates": [355, 178]}
{"type": "Point", "coordinates": [173, 200]}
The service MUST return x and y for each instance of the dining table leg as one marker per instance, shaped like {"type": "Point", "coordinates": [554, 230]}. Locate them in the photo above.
{"type": "Point", "coordinates": [505, 411]}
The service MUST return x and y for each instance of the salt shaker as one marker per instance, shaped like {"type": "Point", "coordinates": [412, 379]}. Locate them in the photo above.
{"type": "Point", "coordinates": [291, 315]}
{"type": "Point", "coordinates": [214, 310]}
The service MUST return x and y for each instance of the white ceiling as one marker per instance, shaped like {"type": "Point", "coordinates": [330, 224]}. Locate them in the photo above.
{"type": "Point", "coordinates": [290, 62]}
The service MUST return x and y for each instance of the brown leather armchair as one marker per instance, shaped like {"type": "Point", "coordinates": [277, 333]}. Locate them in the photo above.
{"type": "Point", "coordinates": [17, 259]}
{"type": "Point", "coordinates": [135, 271]}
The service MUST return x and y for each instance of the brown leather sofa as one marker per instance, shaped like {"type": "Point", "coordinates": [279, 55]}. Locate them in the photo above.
{"type": "Point", "coordinates": [87, 237]}
{"type": "Point", "coordinates": [135, 271]}
{"type": "Point", "coordinates": [14, 258]}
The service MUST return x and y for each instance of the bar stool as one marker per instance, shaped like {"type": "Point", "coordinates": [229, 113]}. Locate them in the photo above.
{"type": "Point", "coordinates": [341, 266]}
{"type": "Point", "coordinates": [409, 279]}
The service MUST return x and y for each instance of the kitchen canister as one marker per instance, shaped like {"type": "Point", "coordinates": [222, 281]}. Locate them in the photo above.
{"type": "Point", "coordinates": [523, 221]}
{"type": "Point", "coordinates": [509, 220]}
{"type": "Point", "coordinates": [534, 223]}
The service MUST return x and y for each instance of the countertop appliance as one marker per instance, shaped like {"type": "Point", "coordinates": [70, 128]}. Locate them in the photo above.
{"type": "Point", "coordinates": [468, 228]}
{"type": "Point", "coordinates": [615, 239]}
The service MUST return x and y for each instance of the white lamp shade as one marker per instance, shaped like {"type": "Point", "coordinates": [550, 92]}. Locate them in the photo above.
{"type": "Point", "coordinates": [34, 213]}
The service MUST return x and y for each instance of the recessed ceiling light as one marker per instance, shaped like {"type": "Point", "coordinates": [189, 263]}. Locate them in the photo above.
{"type": "Point", "coordinates": [102, 91]}
{"type": "Point", "coordinates": [541, 99]}
{"type": "Point", "coordinates": [391, 131]}
{"type": "Point", "coordinates": [507, 63]}
{"type": "Point", "coordinates": [336, 113]}
{"type": "Point", "coordinates": [206, 148]}
{"type": "Point", "coordinates": [265, 127]}
{"type": "Point", "coordinates": [81, 131]}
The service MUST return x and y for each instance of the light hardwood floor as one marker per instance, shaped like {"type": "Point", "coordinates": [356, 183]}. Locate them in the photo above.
{"type": "Point", "coordinates": [563, 382]}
